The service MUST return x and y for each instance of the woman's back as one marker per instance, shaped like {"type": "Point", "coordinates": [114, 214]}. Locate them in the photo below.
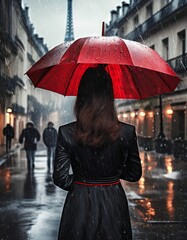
{"type": "Point", "coordinates": [100, 163]}
{"type": "Point", "coordinates": [101, 151]}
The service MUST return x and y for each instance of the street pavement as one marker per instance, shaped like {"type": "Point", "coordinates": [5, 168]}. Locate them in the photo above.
{"type": "Point", "coordinates": [31, 206]}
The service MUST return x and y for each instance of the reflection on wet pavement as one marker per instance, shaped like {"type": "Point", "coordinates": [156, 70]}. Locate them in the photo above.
{"type": "Point", "coordinates": [161, 201]}
{"type": "Point", "coordinates": [30, 204]}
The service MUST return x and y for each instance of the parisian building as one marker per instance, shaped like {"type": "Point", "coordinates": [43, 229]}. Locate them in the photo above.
{"type": "Point", "coordinates": [20, 48]}
{"type": "Point", "coordinates": [161, 25]}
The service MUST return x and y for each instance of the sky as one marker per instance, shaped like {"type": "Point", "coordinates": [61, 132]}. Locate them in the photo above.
{"type": "Point", "coordinates": [49, 17]}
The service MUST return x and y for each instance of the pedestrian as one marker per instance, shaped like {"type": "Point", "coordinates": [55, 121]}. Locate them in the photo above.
{"type": "Point", "coordinates": [101, 151]}
{"type": "Point", "coordinates": [31, 136]}
{"type": "Point", "coordinates": [8, 132]}
{"type": "Point", "coordinates": [49, 139]}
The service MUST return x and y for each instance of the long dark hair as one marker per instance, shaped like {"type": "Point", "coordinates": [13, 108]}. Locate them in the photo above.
{"type": "Point", "coordinates": [97, 121]}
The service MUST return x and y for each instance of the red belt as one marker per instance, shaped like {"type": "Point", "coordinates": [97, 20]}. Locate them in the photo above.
{"type": "Point", "coordinates": [97, 184]}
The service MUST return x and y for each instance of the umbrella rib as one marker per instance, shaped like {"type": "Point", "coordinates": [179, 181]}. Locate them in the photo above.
{"type": "Point", "coordinates": [134, 74]}
{"type": "Point", "coordinates": [164, 82]}
{"type": "Point", "coordinates": [40, 79]}
{"type": "Point", "coordinates": [70, 79]}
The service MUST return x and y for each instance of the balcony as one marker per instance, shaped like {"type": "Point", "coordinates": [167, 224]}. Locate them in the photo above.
{"type": "Point", "coordinates": [7, 46]}
{"type": "Point", "coordinates": [134, 4]}
{"type": "Point", "coordinates": [30, 58]}
{"type": "Point", "coordinates": [16, 108]}
{"type": "Point", "coordinates": [179, 64]}
{"type": "Point", "coordinates": [19, 81]}
{"type": "Point", "coordinates": [155, 19]}
{"type": "Point", "coordinates": [7, 84]}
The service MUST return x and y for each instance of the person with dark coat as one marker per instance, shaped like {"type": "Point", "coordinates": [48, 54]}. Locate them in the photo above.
{"type": "Point", "coordinates": [8, 132]}
{"type": "Point", "coordinates": [101, 151]}
{"type": "Point", "coordinates": [49, 139]}
{"type": "Point", "coordinates": [31, 136]}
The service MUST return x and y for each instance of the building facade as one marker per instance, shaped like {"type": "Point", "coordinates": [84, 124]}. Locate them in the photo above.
{"type": "Point", "coordinates": [20, 48]}
{"type": "Point", "coordinates": [161, 25]}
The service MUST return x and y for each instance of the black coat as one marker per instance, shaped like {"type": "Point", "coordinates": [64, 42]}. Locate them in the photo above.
{"type": "Point", "coordinates": [50, 136]}
{"type": "Point", "coordinates": [8, 132]}
{"type": "Point", "coordinates": [96, 212]}
{"type": "Point", "coordinates": [31, 136]}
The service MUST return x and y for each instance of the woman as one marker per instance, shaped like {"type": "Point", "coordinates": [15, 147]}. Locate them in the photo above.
{"type": "Point", "coordinates": [101, 150]}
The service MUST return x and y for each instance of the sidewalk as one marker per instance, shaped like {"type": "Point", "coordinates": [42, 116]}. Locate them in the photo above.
{"type": "Point", "coordinates": [4, 155]}
{"type": "Point", "coordinates": [15, 147]}
{"type": "Point", "coordinates": [31, 203]}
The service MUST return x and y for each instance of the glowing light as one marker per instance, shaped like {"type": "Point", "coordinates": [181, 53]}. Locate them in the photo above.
{"type": "Point", "coordinates": [125, 115]}
{"type": "Point", "coordinates": [9, 110]}
{"type": "Point", "coordinates": [170, 196]}
{"type": "Point", "coordinates": [169, 164]}
{"type": "Point", "coordinates": [142, 114]}
{"type": "Point", "coordinates": [133, 114]}
{"type": "Point", "coordinates": [169, 111]}
{"type": "Point", "coordinates": [141, 184]}
{"type": "Point", "coordinates": [150, 114]}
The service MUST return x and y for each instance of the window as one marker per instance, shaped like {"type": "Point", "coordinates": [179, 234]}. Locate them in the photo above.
{"type": "Point", "coordinates": [181, 42]}
{"type": "Point", "coordinates": [165, 47]}
{"type": "Point", "coordinates": [136, 21]}
{"type": "Point", "coordinates": [149, 10]}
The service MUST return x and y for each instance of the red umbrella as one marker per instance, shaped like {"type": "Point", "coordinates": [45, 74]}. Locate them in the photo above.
{"type": "Point", "coordinates": [137, 71]}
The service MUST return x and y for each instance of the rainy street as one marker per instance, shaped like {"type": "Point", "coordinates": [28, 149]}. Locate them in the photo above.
{"type": "Point", "coordinates": [30, 205]}
{"type": "Point", "coordinates": [93, 64]}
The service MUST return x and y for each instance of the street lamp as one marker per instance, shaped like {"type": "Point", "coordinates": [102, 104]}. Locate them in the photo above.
{"type": "Point", "coordinates": [162, 145]}
{"type": "Point", "coordinates": [125, 115]}
{"type": "Point", "coordinates": [142, 113]}
{"type": "Point", "coordinates": [169, 111]}
{"type": "Point", "coordinates": [161, 135]}
{"type": "Point", "coordinates": [9, 110]}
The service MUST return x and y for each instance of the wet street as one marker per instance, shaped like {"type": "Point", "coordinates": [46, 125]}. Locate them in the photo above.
{"type": "Point", "coordinates": [30, 205]}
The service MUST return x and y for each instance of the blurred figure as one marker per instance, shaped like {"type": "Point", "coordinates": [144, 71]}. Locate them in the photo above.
{"type": "Point", "coordinates": [49, 139]}
{"type": "Point", "coordinates": [31, 136]}
{"type": "Point", "coordinates": [8, 132]}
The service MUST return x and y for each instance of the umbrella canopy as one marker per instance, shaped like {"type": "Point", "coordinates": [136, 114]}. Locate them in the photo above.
{"type": "Point", "coordinates": [137, 71]}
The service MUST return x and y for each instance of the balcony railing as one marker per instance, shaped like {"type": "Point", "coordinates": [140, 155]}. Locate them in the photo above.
{"type": "Point", "coordinates": [179, 64]}
{"type": "Point", "coordinates": [16, 108]}
{"type": "Point", "coordinates": [7, 84]}
{"type": "Point", "coordinates": [19, 81]}
{"type": "Point", "coordinates": [165, 12]}
{"type": "Point", "coordinates": [30, 58]}
{"type": "Point", "coordinates": [134, 4]}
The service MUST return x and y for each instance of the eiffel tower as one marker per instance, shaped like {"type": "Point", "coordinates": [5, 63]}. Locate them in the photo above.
{"type": "Point", "coordinates": [69, 25]}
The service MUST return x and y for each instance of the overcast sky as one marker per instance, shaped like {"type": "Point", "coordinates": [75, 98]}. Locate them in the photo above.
{"type": "Point", "coordinates": [49, 17]}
